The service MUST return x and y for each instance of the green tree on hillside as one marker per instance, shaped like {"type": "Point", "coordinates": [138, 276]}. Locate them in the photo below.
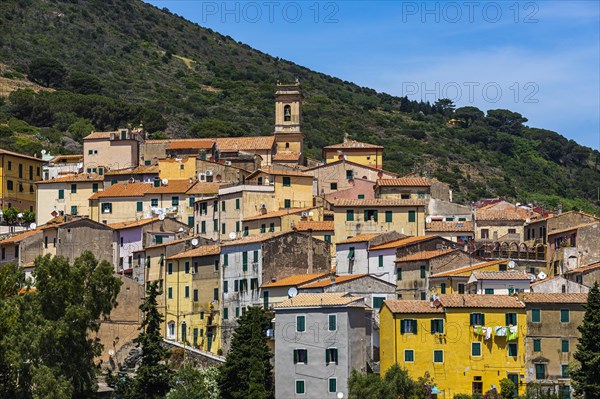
{"type": "Point", "coordinates": [247, 372]}
{"type": "Point", "coordinates": [586, 378]}
{"type": "Point", "coordinates": [47, 72]}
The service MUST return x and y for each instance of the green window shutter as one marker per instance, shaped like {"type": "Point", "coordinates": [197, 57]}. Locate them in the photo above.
{"type": "Point", "coordinates": [332, 322]}
{"type": "Point", "coordinates": [489, 291]}
{"type": "Point", "coordinates": [174, 201]}
{"type": "Point", "coordinates": [327, 238]}
{"type": "Point", "coordinates": [271, 227]}
{"type": "Point", "coordinates": [433, 326]}
{"type": "Point", "coordinates": [423, 272]}
{"type": "Point", "coordinates": [380, 258]}
{"type": "Point", "coordinates": [414, 326]}
{"type": "Point", "coordinates": [438, 356]}
{"type": "Point", "coordinates": [475, 349]}
{"type": "Point", "coordinates": [350, 215]}
{"type": "Point", "coordinates": [255, 256]}
{"type": "Point", "coordinates": [564, 345]}
{"type": "Point", "coordinates": [287, 182]}
{"type": "Point", "coordinates": [535, 315]}
{"type": "Point", "coordinates": [94, 187]}
{"type": "Point", "coordinates": [402, 327]}
{"type": "Point", "coordinates": [139, 206]}
{"type": "Point", "coordinates": [327, 356]}
{"type": "Point", "coordinates": [388, 216]}
{"type": "Point", "coordinates": [564, 316]}
{"type": "Point", "coordinates": [237, 226]}
{"type": "Point", "coordinates": [215, 224]}
{"type": "Point", "coordinates": [295, 356]}
{"type": "Point", "coordinates": [360, 196]}
{"type": "Point", "coordinates": [61, 194]}
{"type": "Point", "coordinates": [300, 323]}
{"type": "Point", "coordinates": [378, 302]}
{"type": "Point", "coordinates": [412, 217]}
{"type": "Point", "coordinates": [366, 217]}
{"type": "Point", "coordinates": [225, 259]}
{"type": "Point", "coordinates": [287, 203]}
{"type": "Point", "coordinates": [202, 226]}
{"type": "Point", "coordinates": [73, 209]}
{"type": "Point", "coordinates": [223, 206]}
{"type": "Point", "coordinates": [246, 231]}
{"type": "Point", "coordinates": [332, 385]}
{"type": "Point", "coordinates": [245, 261]}
{"type": "Point", "coordinates": [223, 228]}
{"type": "Point", "coordinates": [73, 188]}
{"type": "Point", "coordinates": [237, 203]}
{"type": "Point", "coordinates": [226, 313]}
{"type": "Point", "coordinates": [190, 221]}
{"type": "Point", "coordinates": [399, 274]}
{"type": "Point", "coordinates": [537, 345]}
{"type": "Point", "coordinates": [376, 215]}
{"type": "Point", "coordinates": [483, 319]}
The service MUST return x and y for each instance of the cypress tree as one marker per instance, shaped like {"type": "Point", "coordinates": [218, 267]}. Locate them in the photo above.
{"type": "Point", "coordinates": [586, 378]}
{"type": "Point", "coordinates": [247, 372]}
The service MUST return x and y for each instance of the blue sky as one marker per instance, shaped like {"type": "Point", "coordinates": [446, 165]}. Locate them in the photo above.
{"type": "Point", "coordinates": [539, 58]}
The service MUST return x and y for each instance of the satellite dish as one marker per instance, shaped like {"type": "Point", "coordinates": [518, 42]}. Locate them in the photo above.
{"type": "Point", "coordinates": [232, 235]}
{"type": "Point", "coordinates": [542, 275]}
{"type": "Point", "coordinates": [43, 152]}
{"type": "Point", "coordinates": [292, 292]}
{"type": "Point", "coordinates": [532, 277]}
{"type": "Point", "coordinates": [111, 352]}
{"type": "Point", "coordinates": [32, 226]}
{"type": "Point", "coordinates": [512, 264]}
{"type": "Point", "coordinates": [428, 219]}
{"type": "Point", "coordinates": [340, 395]}
{"type": "Point", "coordinates": [195, 242]}
{"type": "Point", "coordinates": [161, 216]}
{"type": "Point", "coordinates": [311, 214]}
{"type": "Point", "coordinates": [181, 229]}
{"type": "Point", "coordinates": [164, 182]}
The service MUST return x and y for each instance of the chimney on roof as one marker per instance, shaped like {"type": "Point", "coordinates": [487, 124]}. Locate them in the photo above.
{"type": "Point", "coordinates": [463, 300]}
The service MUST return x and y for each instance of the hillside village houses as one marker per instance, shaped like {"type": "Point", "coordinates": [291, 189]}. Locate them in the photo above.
{"type": "Point", "coordinates": [382, 261]}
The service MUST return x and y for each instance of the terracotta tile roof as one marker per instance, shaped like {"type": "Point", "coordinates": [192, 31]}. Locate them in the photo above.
{"type": "Point", "coordinates": [376, 202]}
{"type": "Point", "coordinates": [315, 225]}
{"type": "Point", "coordinates": [504, 214]}
{"type": "Point", "coordinates": [204, 188]}
{"type": "Point", "coordinates": [314, 300]}
{"type": "Point", "coordinates": [577, 227]}
{"type": "Point", "coordinates": [425, 255]}
{"type": "Point", "coordinates": [98, 135]}
{"type": "Point", "coordinates": [164, 244]}
{"type": "Point", "coordinates": [270, 170]}
{"type": "Point", "coordinates": [449, 226]}
{"type": "Point", "coordinates": [184, 144]}
{"type": "Point", "coordinates": [402, 242]}
{"type": "Point", "coordinates": [245, 143]}
{"type": "Point", "coordinates": [328, 212]}
{"type": "Point", "coordinates": [480, 301]}
{"type": "Point", "coordinates": [381, 172]}
{"type": "Point", "coordinates": [411, 306]}
{"type": "Point", "coordinates": [79, 177]}
{"type": "Point", "coordinates": [175, 186]}
{"type": "Point", "coordinates": [295, 280]}
{"type": "Point", "coordinates": [351, 144]}
{"type": "Point", "coordinates": [19, 237]}
{"type": "Point", "coordinates": [338, 280]}
{"type": "Point", "coordinates": [404, 182]}
{"type": "Point", "coordinates": [286, 156]}
{"type": "Point", "coordinates": [506, 275]}
{"type": "Point", "coordinates": [133, 223]}
{"type": "Point", "coordinates": [67, 158]}
{"type": "Point", "coordinates": [466, 270]}
{"type": "Point", "coordinates": [139, 170]}
{"type": "Point", "coordinates": [123, 190]}
{"type": "Point", "coordinates": [546, 297]}
{"type": "Point", "coordinates": [253, 239]}
{"type": "Point", "coordinates": [362, 237]}
{"type": "Point", "coordinates": [276, 214]}
{"type": "Point", "coordinates": [204, 250]}
{"type": "Point", "coordinates": [587, 268]}
{"type": "Point", "coordinates": [16, 154]}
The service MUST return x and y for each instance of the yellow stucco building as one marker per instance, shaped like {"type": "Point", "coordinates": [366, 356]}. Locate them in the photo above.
{"type": "Point", "coordinates": [355, 151]}
{"type": "Point", "coordinates": [177, 168]}
{"type": "Point", "coordinates": [449, 339]}
{"type": "Point", "coordinates": [18, 174]}
{"type": "Point", "coordinates": [193, 312]}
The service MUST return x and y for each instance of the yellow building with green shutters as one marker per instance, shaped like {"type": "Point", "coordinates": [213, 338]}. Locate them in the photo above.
{"type": "Point", "coordinates": [18, 174]}
{"type": "Point", "coordinates": [467, 343]}
{"type": "Point", "coordinates": [193, 301]}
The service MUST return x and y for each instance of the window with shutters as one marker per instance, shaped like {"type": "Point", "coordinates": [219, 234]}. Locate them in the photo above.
{"type": "Point", "coordinates": [423, 271]}
{"type": "Point", "coordinates": [512, 350]}
{"type": "Point", "coordinates": [246, 231]}
{"type": "Point", "coordinates": [333, 186]}
{"type": "Point", "coordinates": [380, 261]}
{"type": "Point", "coordinates": [215, 224]}
{"type": "Point", "coordinates": [237, 203]}
{"type": "Point", "coordinates": [332, 322]}
{"type": "Point", "coordinates": [263, 228]}
{"type": "Point", "coordinates": [537, 345]}
{"type": "Point", "coordinates": [255, 256]}
{"type": "Point", "coordinates": [461, 288]}
{"type": "Point", "coordinates": [300, 323]}
{"type": "Point", "coordinates": [564, 368]}
{"type": "Point", "coordinates": [399, 274]}
{"type": "Point", "coordinates": [378, 302]}
{"type": "Point", "coordinates": [475, 348]}
{"type": "Point", "coordinates": [271, 227]}
{"type": "Point", "coordinates": [61, 193]}
{"type": "Point", "coordinates": [245, 261]}
{"type": "Point", "coordinates": [540, 371]}
{"type": "Point", "coordinates": [511, 319]}
{"type": "Point", "coordinates": [564, 345]}
{"type": "Point", "coordinates": [237, 226]}
{"type": "Point", "coordinates": [412, 216]}
{"type": "Point", "coordinates": [408, 326]}
{"type": "Point", "coordinates": [331, 356]}
{"type": "Point", "coordinates": [536, 316]}
{"type": "Point", "coordinates": [327, 238]}
{"type": "Point", "coordinates": [477, 319]}
{"type": "Point", "coordinates": [350, 215]}
{"type": "Point", "coordinates": [332, 385]}
{"type": "Point", "coordinates": [215, 294]}
{"type": "Point", "coordinates": [287, 181]}
{"type": "Point", "coordinates": [438, 356]}
{"type": "Point", "coordinates": [187, 291]}
{"type": "Point", "coordinates": [170, 268]}
{"type": "Point", "coordinates": [437, 326]}
{"type": "Point", "coordinates": [388, 216]}
{"type": "Point", "coordinates": [223, 228]}
{"type": "Point", "coordinates": [94, 187]}
{"type": "Point", "coordinates": [236, 286]}
{"type": "Point", "coordinates": [170, 292]}
{"type": "Point", "coordinates": [564, 316]}
{"type": "Point", "coordinates": [300, 356]}
{"type": "Point", "coordinates": [187, 267]}
{"type": "Point", "coordinates": [73, 209]}
{"type": "Point", "coordinates": [202, 226]}
{"type": "Point", "coordinates": [409, 355]}
{"type": "Point", "coordinates": [489, 291]}
{"type": "Point", "coordinates": [287, 203]}
{"type": "Point", "coordinates": [443, 288]}
{"type": "Point", "coordinates": [300, 388]}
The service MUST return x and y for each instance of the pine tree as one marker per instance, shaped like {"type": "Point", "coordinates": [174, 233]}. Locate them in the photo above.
{"type": "Point", "coordinates": [153, 379]}
{"type": "Point", "coordinates": [586, 378]}
{"type": "Point", "coordinates": [247, 372]}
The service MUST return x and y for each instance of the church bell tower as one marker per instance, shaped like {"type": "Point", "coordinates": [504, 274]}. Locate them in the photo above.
{"type": "Point", "coordinates": [288, 121]}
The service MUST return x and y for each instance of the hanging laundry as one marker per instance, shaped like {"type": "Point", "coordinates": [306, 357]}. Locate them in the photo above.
{"type": "Point", "coordinates": [479, 330]}
{"type": "Point", "coordinates": [488, 333]}
{"type": "Point", "coordinates": [513, 333]}
{"type": "Point", "coordinates": [500, 331]}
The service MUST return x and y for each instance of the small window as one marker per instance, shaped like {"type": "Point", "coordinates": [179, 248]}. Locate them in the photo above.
{"type": "Point", "coordinates": [412, 216]}
{"type": "Point", "coordinates": [271, 227]}
{"type": "Point", "coordinates": [349, 175]}
{"type": "Point", "coordinates": [300, 390]}
{"type": "Point", "coordinates": [443, 288]}
{"type": "Point", "coordinates": [437, 326]}
{"type": "Point", "coordinates": [287, 181]}
{"type": "Point", "coordinates": [475, 348]}
{"type": "Point", "coordinates": [170, 268]}
{"type": "Point", "coordinates": [540, 371]}
{"type": "Point", "coordinates": [300, 323]}
{"type": "Point", "coordinates": [331, 356]}
{"type": "Point", "coordinates": [174, 201]}
{"type": "Point", "coordinates": [263, 228]}
{"type": "Point", "coordinates": [73, 209]}
{"type": "Point", "coordinates": [399, 274]}
{"type": "Point", "coordinates": [332, 385]}
{"type": "Point", "coordinates": [350, 215]}
{"type": "Point", "coordinates": [187, 291]}
{"type": "Point", "coordinates": [477, 319]}
{"type": "Point", "coordinates": [61, 193]}
{"type": "Point", "coordinates": [512, 350]}
{"type": "Point", "coordinates": [378, 302]}
{"type": "Point", "coordinates": [215, 294]}
{"type": "Point", "coordinates": [154, 202]}
{"type": "Point", "coordinates": [404, 196]}
{"type": "Point", "coordinates": [170, 292]}
{"type": "Point", "coordinates": [73, 188]}
{"type": "Point", "coordinates": [537, 345]}
{"type": "Point", "coordinates": [489, 291]}
{"type": "Point", "coordinates": [94, 187]}
{"type": "Point", "coordinates": [237, 203]}
{"type": "Point", "coordinates": [461, 288]}
{"type": "Point", "coordinates": [438, 356]}
{"type": "Point", "coordinates": [226, 314]}
{"type": "Point", "coordinates": [187, 267]}
{"type": "Point", "coordinates": [511, 319]}
{"type": "Point", "coordinates": [332, 322]}
{"type": "Point", "coordinates": [423, 271]}
{"type": "Point", "coordinates": [536, 316]}
{"type": "Point", "coordinates": [361, 196]}
{"type": "Point", "coordinates": [564, 346]}
{"type": "Point", "coordinates": [333, 186]}
{"type": "Point", "coordinates": [564, 316]}
{"type": "Point", "coordinates": [564, 368]}
{"type": "Point", "coordinates": [300, 356]}
{"type": "Point", "coordinates": [409, 355]}
{"type": "Point", "coordinates": [388, 216]}
{"type": "Point", "coordinates": [327, 238]}
{"type": "Point", "coordinates": [139, 206]}
{"type": "Point", "coordinates": [287, 203]}
{"type": "Point", "coordinates": [408, 326]}
{"type": "Point", "coordinates": [380, 261]}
